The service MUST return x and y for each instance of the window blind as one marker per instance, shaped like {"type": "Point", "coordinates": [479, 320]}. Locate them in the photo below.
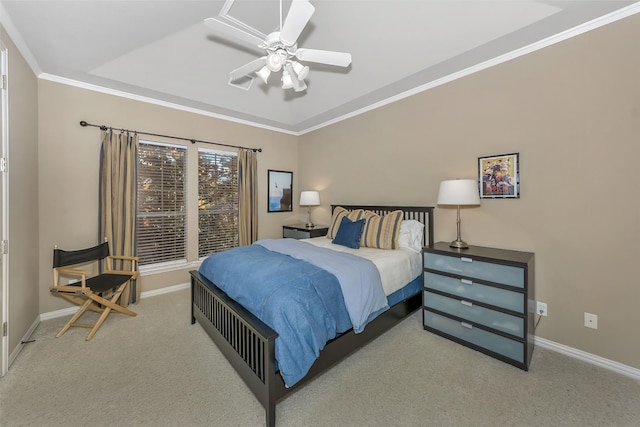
{"type": "Point", "coordinates": [161, 217]}
{"type": "Point", "coordinates": [217, 201]}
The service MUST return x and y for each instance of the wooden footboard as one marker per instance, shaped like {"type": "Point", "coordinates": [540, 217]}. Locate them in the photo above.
{"type": "Point", "coordinates": [246, 341]}
{"type": "Point", "coordinates": [249, 344]}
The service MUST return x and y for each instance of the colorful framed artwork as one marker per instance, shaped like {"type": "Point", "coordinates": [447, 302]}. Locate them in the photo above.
{"type": "Point", "coordinates": [499, 176]}
{"type": "Point", "coordinates": [280, 191]}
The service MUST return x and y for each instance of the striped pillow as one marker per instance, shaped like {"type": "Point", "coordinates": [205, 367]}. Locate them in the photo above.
{"type": "Point", "coordinates": [382, 232]}
{"type": "Point", "coordinates": [339, 213]}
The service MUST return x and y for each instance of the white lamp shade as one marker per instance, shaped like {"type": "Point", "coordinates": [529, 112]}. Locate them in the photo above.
{"type": "Point", "coordinates": [459, 192]}
{"type": "Point", "coordinates": [264, 74]}
{"type": "Point", "coordinates": [287, 82]}
{"type": "Point", "coordinates": [309, 198]}
{"type": "Point", "coordinates": [274, 62]}
{"type": "Point", "coordinates": [301, 70]}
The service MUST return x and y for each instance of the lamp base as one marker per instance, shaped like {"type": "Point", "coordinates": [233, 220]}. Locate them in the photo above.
{"type": "Point", "coordinates": [459, 244]}
{"type": "Point", "coordinates": [309, 225]}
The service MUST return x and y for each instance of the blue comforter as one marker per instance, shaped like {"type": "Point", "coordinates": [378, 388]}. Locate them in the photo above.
{"type": "Point", "coordinates": [302, 302]}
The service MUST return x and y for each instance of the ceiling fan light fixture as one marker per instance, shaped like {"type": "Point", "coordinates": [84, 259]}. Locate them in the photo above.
{"type": "Point", "coordinates": [302, 71]}
{"type": "Point", "coordinates": [281, 47]}
{"type": "Point", "coordinates": [274, 62]}
{"type": "Point", "coordinates": [264, 74]}
{"type": "Point", "coordinates": [287, 81]}
{"type": "Point", "coordinates": [300, 87]}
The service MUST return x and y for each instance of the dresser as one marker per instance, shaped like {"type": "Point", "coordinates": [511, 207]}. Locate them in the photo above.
{"type": "Point", "coordinates": [300, 231]}
{"type": "Point", "coordinates": [482, 298]}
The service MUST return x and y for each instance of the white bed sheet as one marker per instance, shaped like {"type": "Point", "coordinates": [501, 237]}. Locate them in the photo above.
{"type": "Point", "coordinates": [396, 267]}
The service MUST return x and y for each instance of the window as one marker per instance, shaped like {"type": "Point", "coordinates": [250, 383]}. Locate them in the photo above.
{"type": "Point", "coordinates": [217, 201]}
{"type": "Point", "coordinates": [161, 218]}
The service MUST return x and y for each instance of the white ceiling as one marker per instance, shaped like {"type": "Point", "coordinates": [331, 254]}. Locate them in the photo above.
{"type": "Point", "coordinates": [162, 50]}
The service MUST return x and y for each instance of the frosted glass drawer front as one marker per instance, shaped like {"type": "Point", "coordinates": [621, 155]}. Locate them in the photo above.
{"type": "Point", "coordinates": [498, 273]}
{"type": "Point", "coordinates": [467, 289]}
{"type": "Point", "coordinates": [474, 313]}
{"type": "Point", "coordinates": [496, 343]}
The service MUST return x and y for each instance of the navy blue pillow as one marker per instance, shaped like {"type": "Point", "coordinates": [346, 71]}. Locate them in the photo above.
{"type": "Point", "coordinates": [349, 233]}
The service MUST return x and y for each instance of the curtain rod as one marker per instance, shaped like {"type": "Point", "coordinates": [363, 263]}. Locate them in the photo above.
{"type": "Point", "coordinates": [193, 141]}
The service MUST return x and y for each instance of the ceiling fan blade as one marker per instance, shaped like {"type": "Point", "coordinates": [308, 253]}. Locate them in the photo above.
{"type": "Point", "coordinates": [225, 29]}
{"type": "Point", "coordinates": [249, 68]}
{"type": "Point", "coordinates": [328, 57]}
{"type": "Point", "coordinates": [299, 15]}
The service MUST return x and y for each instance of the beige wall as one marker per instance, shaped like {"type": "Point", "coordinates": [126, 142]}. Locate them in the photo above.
{"type": "Point", "coordinates": [23, 194]}
{"type": "Point", "coordinates": [572, 111]}
{"type": "Point", "coordinates": [69, 161]}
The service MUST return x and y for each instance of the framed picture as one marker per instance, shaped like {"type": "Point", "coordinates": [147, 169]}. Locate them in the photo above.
{"type": "Point", "coordinates": [499, 176]}
{"type": "Point", "coordinates": [280, 191]}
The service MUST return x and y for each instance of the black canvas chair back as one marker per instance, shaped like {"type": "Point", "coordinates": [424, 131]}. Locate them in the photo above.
{"type": "Point", "coordinates": [98, 289]}
{"type": "Point", "coordinates": [62, 258]}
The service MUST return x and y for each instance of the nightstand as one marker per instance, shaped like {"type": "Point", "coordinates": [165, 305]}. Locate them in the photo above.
{"type": "Point", "coordinates": [301, 231]}
{"type": "Point", "coordinates": [480, 298]}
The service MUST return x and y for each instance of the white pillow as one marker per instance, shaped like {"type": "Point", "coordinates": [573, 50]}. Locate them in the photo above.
{"type": "Point", "coordinates": [411, 235]}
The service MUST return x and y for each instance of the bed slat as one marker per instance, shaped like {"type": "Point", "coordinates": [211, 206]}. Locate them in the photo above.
{"type": "Point", "coordinates": [245, 341]}
{"type": "Point", "coordinates": [249, 344]}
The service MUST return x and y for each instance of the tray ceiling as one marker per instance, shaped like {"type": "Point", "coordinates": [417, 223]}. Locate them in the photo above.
{"type": "Point", "coordinates": [161, 50]}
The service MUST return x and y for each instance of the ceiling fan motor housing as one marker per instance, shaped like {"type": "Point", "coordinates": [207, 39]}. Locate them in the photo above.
{"type": "Point", "coordinates": [277, 52]}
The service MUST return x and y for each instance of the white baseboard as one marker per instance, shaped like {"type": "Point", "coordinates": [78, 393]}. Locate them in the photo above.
{"type": "Point", "coordinates": [166, 290]}
{"type": "Point", "coordinates": [611, 365]}
{"type": "Point", "coordinates": [71, 310]}
{"type": "Point", "coordinates": [25, 338]}
{"type": "Point", "coordinates": [58, 313]}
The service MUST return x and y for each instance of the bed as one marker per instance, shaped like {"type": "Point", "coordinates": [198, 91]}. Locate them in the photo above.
{"type": "Point", "coordinates": [249, 343]}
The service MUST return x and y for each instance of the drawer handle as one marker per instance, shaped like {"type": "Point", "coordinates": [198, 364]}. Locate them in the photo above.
{"type": "Point", "coordinates": [467, 325]}
{"type": "Point", "coordinates": [467, 303]}
{"type": "Point", "coordinates": [463, 259]}
{"type": "Point", "coordinates": [467, 281]}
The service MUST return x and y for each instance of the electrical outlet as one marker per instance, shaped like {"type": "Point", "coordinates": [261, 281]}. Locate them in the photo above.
{"type": "Point", "coordinates": [541, 308]}
{"type": "Point", "coordinates": [591, 320]}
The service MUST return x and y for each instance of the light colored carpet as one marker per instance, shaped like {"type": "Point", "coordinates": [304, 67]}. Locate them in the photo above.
{"type": "Point", "coordinates": [159, 370]}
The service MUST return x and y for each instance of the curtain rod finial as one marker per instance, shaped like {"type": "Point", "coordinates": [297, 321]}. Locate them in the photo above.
{"type": "Point", "coordinates": [83, 123]}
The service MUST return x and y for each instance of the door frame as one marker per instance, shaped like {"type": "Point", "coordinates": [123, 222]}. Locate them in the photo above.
{"type": "Point", "coordinates": [4, 212]}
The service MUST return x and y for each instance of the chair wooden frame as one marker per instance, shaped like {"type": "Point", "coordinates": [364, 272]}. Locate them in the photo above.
{"type": "Point", "coordinates": [102, 298]}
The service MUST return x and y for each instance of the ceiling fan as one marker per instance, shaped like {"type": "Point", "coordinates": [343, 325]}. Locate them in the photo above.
{"type": "Point", "coordinates": [282, 52]}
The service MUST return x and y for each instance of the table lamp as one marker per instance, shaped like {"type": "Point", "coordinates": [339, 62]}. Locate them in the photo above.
{"type": "Point", "coordinates": [459, 192]}
{"type": "Point", "coordinates": [309, 198]}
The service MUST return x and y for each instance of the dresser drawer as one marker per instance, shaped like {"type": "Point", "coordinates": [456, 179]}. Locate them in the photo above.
{"type": "Point", "coordinates": [497, 273]}
{"type": "Point", "coordinates": [498, 344]}
{"type": "Point", "coordinates": [467, 289]}
{"type": "Point", "coordinates": [474, 313]}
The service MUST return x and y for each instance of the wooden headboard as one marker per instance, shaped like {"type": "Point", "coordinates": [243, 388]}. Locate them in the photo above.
{"type": "Point", "coordinates": [424, 214]}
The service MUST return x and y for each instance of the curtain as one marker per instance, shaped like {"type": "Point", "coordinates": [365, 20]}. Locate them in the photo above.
{"type": "Point", "coordinates": [247, 197]}
{"type": "Point", "coordinates": [118, 199]}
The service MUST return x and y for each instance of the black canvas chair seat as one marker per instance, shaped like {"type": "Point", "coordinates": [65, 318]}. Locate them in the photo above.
{"type": "Point", "coordinates": [97, 289]}
{"type": "Point", "coordinates": [105, 282]}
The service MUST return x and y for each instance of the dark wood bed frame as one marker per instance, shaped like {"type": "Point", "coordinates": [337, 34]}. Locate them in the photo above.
{"type": "Point", "coordinates": [249, 344]}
